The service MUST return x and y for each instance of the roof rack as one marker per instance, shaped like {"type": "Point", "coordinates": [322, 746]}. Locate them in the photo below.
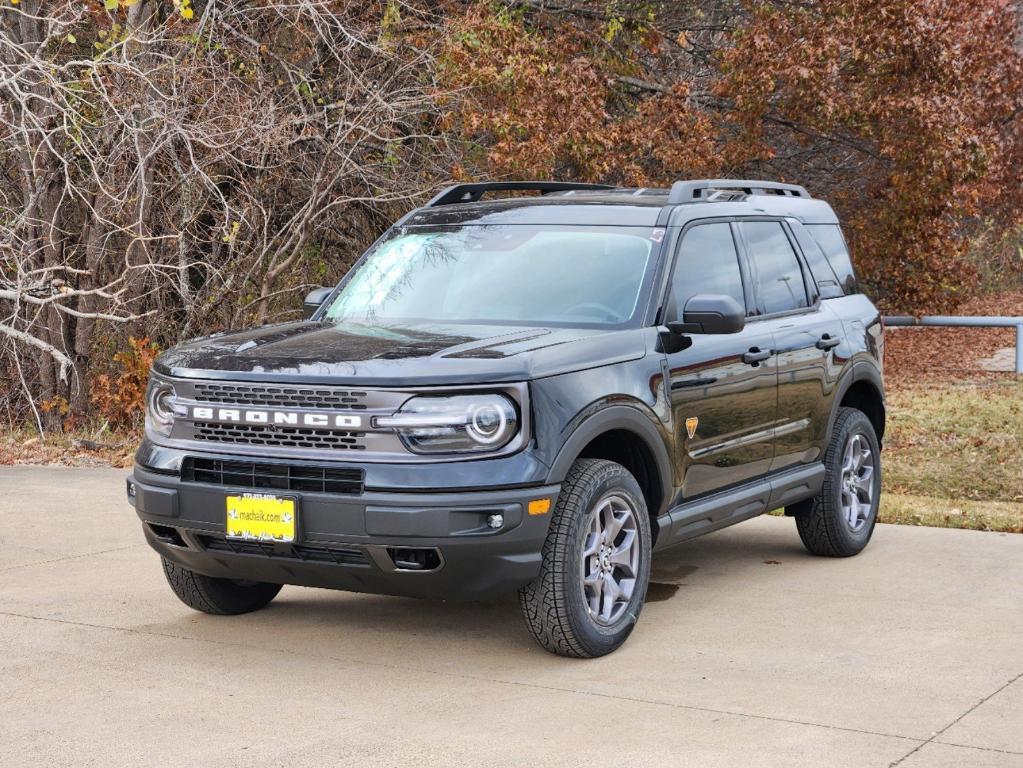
{"type": "Point", "coordinates": [694, 191]}
{"type": "Point", "coordinates": [470, 193]}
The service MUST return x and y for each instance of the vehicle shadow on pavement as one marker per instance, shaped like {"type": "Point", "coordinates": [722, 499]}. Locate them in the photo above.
{"type": "Point", "coordinates": [326, 622]}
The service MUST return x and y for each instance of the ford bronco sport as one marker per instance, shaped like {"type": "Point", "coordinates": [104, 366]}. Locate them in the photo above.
{"type": "Point", "coordinates": [531, 393]}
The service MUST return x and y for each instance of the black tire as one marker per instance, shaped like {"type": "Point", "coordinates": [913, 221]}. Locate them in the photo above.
{"type": "Point", "coordinates": [553, 605]}
{"type": "Point", "coordinates": [220, 597]}
{"type": "Point", "coordinates": [821, 522]}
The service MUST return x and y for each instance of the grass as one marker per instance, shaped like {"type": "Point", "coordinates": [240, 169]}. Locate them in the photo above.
{"type": "Point", "coordinates": [953, 456]}
{"type": "Point", "coordinates": [905, 509]}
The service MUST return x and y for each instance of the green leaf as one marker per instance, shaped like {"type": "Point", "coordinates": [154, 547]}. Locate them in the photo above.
{"type": "Point", "coordinates": [71, 38]}
{"type": "Point", "coordinates": [110, 5]}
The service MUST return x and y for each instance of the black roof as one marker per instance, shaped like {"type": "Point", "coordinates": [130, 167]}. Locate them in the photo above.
{"type": "Point", "coordinates": [575, 204]}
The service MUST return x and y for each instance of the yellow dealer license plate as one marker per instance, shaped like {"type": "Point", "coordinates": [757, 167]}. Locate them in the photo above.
{"type": "Point", "coordinates": [261, 517]}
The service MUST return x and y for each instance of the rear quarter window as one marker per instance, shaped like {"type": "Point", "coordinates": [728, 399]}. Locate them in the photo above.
{"type": "Point", "coordinates": [828, 284]}
{"type": "Point", "coordinates": [832, 243]}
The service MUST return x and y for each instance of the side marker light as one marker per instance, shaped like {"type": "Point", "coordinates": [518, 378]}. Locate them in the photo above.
{"type": "Point", "coordinates": [539, 506]}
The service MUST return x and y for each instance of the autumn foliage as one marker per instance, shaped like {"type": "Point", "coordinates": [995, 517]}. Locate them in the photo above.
{"type": "Point", "coordinates": [915, 107]}
{"type": "Point", "coordinates": [534, 104]}
{"type": "Point", "coordinates": [905, 114]}
{"type": "Point", "coordinates": [118, 396]}
{"type": "Point", "coordinates": [172, 168]}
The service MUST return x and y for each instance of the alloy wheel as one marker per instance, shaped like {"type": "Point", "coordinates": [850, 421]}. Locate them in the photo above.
{"type": "Point", "coordinates": [857, 487]}
{"type": "Point", "coordinates": [610, 559]}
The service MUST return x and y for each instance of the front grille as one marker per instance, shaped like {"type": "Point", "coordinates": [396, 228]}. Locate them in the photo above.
{"type": "Point", "coordinates": [283, 477]}
{"type": "Point", "coordinates": [280, 397]}
{"type": "Point", "coordinates": [296, 552]}
{"type": "Point", "coordinates": [284, 437]}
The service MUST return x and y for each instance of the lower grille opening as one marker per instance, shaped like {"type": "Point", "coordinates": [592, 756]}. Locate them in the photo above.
{"type": "Point", "coordinates": [339, 555]}
{"type": "Point", "coordinates": [167, 535]}
{"type": "Point", "coordinates": [414, 558]}
{"type": "Point", "coordinates": [284, 477]}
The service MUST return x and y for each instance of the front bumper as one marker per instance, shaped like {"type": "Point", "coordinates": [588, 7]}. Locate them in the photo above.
{"type": "Point", "coordinates": [353, 542]}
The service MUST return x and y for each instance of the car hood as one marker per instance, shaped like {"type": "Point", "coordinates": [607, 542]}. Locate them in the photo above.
{"type": "Point", "coordinates": [326, 353]}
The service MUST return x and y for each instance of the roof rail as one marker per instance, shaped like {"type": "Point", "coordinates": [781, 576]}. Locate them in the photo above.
{"type": "Point", "coordinates": [470, 193]}
{"type": "Point", "coordinates": [692, 191]}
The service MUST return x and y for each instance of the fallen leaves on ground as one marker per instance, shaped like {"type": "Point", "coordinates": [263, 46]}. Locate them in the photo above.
{"type": "Point", "coordinates": [71, 449]}
{"type": "Point", "coordinates": [940, 354]}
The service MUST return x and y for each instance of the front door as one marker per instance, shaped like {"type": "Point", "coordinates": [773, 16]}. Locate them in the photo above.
{"type": "Point", "coordinates": [809, 350]}
{"type": "Point", "coordinates": [723, 386]}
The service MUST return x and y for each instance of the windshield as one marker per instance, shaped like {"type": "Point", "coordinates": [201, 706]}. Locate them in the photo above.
{"type": "Point", "coordinates": [510, 274]}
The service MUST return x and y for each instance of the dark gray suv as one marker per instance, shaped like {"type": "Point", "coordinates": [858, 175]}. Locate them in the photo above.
{"type": "Point", "coordinates": [531, 393]}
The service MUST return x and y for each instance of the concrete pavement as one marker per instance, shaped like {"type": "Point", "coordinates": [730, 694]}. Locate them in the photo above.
{"type": "Point", "coordinates": [751, 653]}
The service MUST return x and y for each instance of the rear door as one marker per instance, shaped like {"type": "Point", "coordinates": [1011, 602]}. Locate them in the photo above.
{"type": "Point", "coordinates": [723, 387]}
{"type": "Point", "coordinates": [808, 337]}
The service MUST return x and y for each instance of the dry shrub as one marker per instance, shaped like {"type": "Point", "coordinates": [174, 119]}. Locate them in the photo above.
{"type": "Point", "coordinates": [120, 398]}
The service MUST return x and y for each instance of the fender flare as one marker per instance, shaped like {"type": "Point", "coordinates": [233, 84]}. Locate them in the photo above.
{"type": "Point", "coordinates": [622, 417]}
{"type": "Point", "coordinates": [861, 371]}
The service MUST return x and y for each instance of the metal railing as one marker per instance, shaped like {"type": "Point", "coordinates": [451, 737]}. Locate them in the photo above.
{"type": "Point", "coordinates": [939, 321]}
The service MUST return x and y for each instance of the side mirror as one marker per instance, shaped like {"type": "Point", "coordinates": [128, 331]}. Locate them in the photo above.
{"type": "Point", "coordinates": [314, 300]}
{"type": "Point", "coordinates": [710, 313]}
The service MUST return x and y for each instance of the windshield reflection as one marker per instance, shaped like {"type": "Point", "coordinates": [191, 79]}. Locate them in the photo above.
{"type": "Point", "coordinates": [509, 274]}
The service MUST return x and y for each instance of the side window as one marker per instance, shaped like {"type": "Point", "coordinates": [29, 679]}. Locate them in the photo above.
{"type": "Point", "coordinates": [829, 238]}
{"type": "Point", "coordinates": [777, 271]}
{"type": "Point", "coordinates": [707, 262]}
{"type": "Point", "coordinates": [823, 275]}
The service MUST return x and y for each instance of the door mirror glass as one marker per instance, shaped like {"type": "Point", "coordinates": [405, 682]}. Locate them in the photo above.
{"type": "Point", "coordinates": [711, 313]}
{"type": "Point", "coordinates": [313, 301]}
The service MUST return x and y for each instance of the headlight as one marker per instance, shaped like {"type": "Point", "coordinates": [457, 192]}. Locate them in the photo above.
{"type": "Point", "coordinates": [454, 424]}
{"type": "Point", "coordinates": [160, 407]}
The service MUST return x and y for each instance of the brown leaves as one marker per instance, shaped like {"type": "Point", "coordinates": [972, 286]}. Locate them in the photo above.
{"type": "Point", "coordinates": [915, 105]}
{"type": "Point", "coordinates": [75, 448]}
{"type": "Point", "coordinates": [907, 115]}
{"type": "Point", "coordinates": [914, 355]}
{"type": "Point", "coordinates": [119, 397]}
{"type": "Point", "coordinates": [543, 105]}
{"type": "Point", "coordinates": [538, 109]}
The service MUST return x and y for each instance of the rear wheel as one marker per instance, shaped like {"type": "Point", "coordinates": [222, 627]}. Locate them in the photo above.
{"type": "Point", "coordinates": [220, 597]}
{"type": "Point", "coordinates": [840, 521]}
{"type": "Point", "coordinates": [596, 564]}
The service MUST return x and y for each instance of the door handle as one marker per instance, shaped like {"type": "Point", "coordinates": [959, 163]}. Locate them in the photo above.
{"type": "Point", "coordinates": [755, 355]}
{"type": "Point", "coordinates": [827, 342]}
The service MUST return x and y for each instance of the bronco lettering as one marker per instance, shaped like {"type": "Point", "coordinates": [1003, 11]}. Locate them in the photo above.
{"type": "Point", "coordinates": [285, 418]}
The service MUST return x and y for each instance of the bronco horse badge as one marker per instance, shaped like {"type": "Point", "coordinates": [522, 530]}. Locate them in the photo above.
{"type": "Point", "coordinates": [691, 423]}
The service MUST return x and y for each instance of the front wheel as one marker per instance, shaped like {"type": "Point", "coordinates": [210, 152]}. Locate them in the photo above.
{"type": "Point", "coordinates": [596, 563]}
{"type": "Point", "coordinates": [840, 521]}
{"type": "Point", "coordinates": [220, 597]}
